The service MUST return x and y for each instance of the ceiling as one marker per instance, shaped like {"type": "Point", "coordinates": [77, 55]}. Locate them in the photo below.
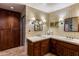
{"type": "Point", "coordinates": [49, 7]}
{"type": "Point", "coordinates": [45, 7]}
{"type": "Point", "coordinates": [16, 7]}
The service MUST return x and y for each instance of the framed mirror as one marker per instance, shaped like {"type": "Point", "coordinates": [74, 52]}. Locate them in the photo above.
{"type": "Point", "coordinates": [38, 25]}
{"type": "Point", "coordinates": [71, 24]}
{"type": "Point", "coordinates": [54, 24]}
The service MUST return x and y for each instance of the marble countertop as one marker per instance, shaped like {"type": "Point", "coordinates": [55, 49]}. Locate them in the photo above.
{"type": "Point", "coordinates": [62, 38]}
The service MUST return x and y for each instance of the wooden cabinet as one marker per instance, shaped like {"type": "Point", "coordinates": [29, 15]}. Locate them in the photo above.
{"type": "Point", "coordinates": [60, 48]}
{"type": "Point", "coordinates": [66, 49]}
{"type": "Point", "coordinates": [29, 48]}
{"type": "Point", "coordinates": [69, 52]}
{"type": "Point", "coordinates": [44, 47]}
{"type": "Point", "coordinates": [53, 46]}
{"type": "Point", "coordinates": [33, 48]}
{"type": "Point", "coordinates": [38, 48]}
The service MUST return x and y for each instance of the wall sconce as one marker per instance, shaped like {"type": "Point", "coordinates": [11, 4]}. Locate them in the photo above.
{"type": "Point", "coordinates": [61, 22]}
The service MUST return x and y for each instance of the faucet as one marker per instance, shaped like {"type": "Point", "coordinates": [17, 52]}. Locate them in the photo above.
{"type": "Point", "coordinates": [69, 37]}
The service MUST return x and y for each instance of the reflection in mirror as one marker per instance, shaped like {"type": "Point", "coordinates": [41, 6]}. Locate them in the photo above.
{"type": "Point", "coordinates": [38, 25]}
{"type": "Point", "coordinates": [54, 24]}
{"type": "Point", "coordinates": [71, 24]}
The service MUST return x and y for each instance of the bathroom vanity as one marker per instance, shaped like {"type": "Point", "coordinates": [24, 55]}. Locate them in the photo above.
{"type": "Point", "coordinates": [60, 46]}
{"type": "Point", "coordinates": [63, 48]}
{"type": "Point", "coordinates": [38, 48]}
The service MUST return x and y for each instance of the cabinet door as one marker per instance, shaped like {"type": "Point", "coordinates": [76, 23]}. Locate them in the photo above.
{"type": "Point", "coordinates": [36, 49]}
{"type": "Point", "coordinates": [44, 50]}
{"type": "Point", "coordinates": [59, 50]}
{"type": "Point", "coordinates": [29, 48]}
{"type": "Point", "coordinates": [44, 47]}
{"type": "Point", "coordinates": [64, 49]}
{"type": "Point", "coordinates": [33, 48]}
{"type": "Point", "coordinates": [69, 52]}
{"type": "Point", "coordinates": [53, 46]}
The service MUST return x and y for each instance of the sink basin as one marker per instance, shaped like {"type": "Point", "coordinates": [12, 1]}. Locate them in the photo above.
{"type": "Point", "coordinates": [35, 37]}
{"type": "Point", "coordinates": [47, 35]}
{"type": "Point", "coordinates": [38, 35]}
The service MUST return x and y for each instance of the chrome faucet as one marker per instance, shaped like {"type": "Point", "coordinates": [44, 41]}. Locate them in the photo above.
{"type": "Point", "coordinates": [69, 37]}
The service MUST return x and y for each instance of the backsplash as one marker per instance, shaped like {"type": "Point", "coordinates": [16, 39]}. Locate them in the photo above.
{"type": "Point", "coordinates": [56, 31]}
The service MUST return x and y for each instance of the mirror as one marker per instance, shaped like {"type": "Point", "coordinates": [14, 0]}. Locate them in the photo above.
{"type": "Point", "coordinates": [54, 24]}
{"type": "Point", "coordinates": [71, 24]}
{"type": "Point", "coordinates": [38, 25]}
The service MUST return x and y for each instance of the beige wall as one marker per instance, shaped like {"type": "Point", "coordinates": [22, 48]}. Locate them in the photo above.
{"type": "Point", "coordinates": [71, 11]}
{"type": "Point", "coordinates": [58, 15]}
{"type": "Point", "coordinates": [32, 13]}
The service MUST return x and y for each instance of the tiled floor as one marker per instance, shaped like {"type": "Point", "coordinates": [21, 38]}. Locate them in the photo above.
{"type": "Point", "coordinates": [49, 54]}
{"type": "Point", "coordinates": [18, 51]}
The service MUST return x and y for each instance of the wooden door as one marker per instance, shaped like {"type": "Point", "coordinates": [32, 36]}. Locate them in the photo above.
{"type": "Point", "coordinates": [14, 24]}
{"type": "Point", "coordinates": [6, 41]}
{"type": "Point", "coordinates": [9, 29]}
{"type": "Point", "coordinates": [16, 37]}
